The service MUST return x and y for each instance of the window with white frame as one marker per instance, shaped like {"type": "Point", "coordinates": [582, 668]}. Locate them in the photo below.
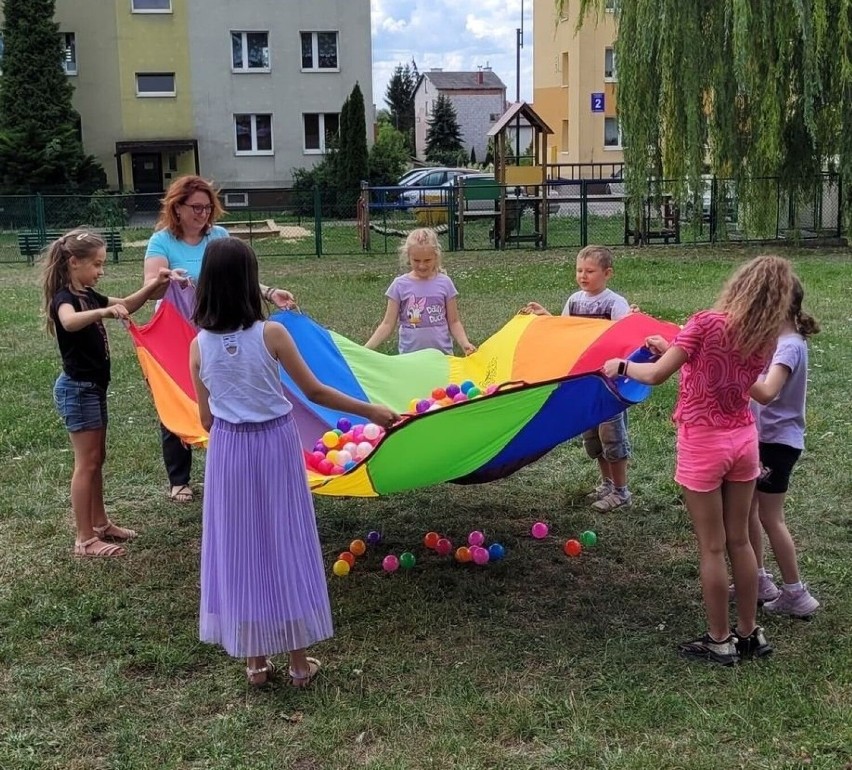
{"type": "Point", "coordinates": [151, 6]}
{"type": "Point", "coordinates": [612, 133]}
{"type": "Point", "coordinates": [69, 53]}
{"type": "Point", "coordinates": [320, 130]}
{"type": "Point", "coordinates": [319, 51]}
{"type": "Point", "coordinates": [253, 134]}
{"type": "Point", "coordinates": [250, 51]}
{"type": "Point", "coordinates": [155, 84]}
{"type": "Point", "coordinates": [610, 72]}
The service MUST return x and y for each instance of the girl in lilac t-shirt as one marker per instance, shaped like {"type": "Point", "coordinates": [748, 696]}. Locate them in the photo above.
{"type": "Point", "coordinates": [422, 303]}
{"type": "Point", "coordinates": [779, 408]}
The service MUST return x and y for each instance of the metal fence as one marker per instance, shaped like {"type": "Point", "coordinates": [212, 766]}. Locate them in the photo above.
{"type": "Point", "coordinates": [564, 213]}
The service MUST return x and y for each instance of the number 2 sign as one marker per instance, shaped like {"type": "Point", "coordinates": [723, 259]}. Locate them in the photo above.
{"type": "Point", "coordinates": [597, 102]}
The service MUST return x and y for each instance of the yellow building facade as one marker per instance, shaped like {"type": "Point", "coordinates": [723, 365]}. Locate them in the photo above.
{"type": "Point", "coordinates": [574, 85]}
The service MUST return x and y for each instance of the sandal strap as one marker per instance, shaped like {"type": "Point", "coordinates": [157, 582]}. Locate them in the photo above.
{"type": "Point", "coordinates": [111, 529]}
{"type": "Point", "coordinates": [99, 548]}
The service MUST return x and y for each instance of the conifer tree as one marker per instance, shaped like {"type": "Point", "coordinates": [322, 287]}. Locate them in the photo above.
{"type": "Point", "coordinates": [443, 137]}
{"type": "Point", "coordinates": [399, 97]}
{"type": "Point", "coordinates": [40, 149]}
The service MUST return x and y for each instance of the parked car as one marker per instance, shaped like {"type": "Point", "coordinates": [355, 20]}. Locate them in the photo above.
{"type": "Point", "coordinates": [427, 183]}
{"type": "Point", "coordinates": [726, 200]}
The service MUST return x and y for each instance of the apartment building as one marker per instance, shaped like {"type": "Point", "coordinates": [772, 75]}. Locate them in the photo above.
{"type": "Point", "coordinates": [479, 99]}
{"type": "Point", "coordinates": [575, 83]}
{"type": "Point", "coordinates": [241, 93]}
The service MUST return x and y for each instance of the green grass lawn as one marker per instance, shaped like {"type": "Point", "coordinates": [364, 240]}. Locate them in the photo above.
{"type": "Point", "coordinates": [539, 661]}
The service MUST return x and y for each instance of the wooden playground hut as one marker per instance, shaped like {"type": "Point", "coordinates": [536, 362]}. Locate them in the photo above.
{"type": "Point", "coordinates": [529, 181]}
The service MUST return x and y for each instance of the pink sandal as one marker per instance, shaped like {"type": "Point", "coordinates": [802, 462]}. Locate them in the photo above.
{"type": "Point", "coordinates": [114, 532]}
{"type": "Point", "coordinates": [254, 674]}
{"type": "Point", "coordinates": [304, 679]}
{"type": "Point", "coordinates": [96, 548]}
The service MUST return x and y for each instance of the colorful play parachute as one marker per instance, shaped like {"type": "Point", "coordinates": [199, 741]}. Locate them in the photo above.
{"type": "Point", "coordinates": [546, 370]}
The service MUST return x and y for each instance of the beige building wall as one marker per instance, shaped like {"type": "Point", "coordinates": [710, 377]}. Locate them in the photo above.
{"type": "Point", "coordinates": [568, 67]}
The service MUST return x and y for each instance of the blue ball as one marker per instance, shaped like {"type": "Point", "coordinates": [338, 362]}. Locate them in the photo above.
{"type": "Point", "coordinates": [374, 537]}
{"type": "Point", "coordinates": [496, 552]}
{"type": "Point", "coordinates": [350, 465]}
{"type": "Point", "coordinates": [467, 385]}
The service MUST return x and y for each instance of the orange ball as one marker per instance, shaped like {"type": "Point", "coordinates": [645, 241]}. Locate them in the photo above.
{"type": "Point", "coordinates": [439, 393]}
{"type": "Point", "coordinates": [572, 548]}
{"type": "Point", "coordinates": [357, 547]}
{"type": "Point", "coordinates": [431, 539]}
{"type": "Point", "coordinates": [463, 554]}
{"type": "Point", "coordinates": [348, 557]}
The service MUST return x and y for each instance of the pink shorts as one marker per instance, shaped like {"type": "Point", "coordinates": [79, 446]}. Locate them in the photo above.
{"type": "Point", "coordinates": [707, 456]}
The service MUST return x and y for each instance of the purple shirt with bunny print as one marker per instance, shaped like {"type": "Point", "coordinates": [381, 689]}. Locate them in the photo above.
{"type": "Point", "coordinates": [423, 312]}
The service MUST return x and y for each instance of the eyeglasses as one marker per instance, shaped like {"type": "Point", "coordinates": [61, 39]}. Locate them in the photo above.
{"type": "Point", "coordinates": [199, 208]}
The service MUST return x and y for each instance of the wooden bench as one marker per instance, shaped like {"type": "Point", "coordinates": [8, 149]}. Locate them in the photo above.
{"type": "Point", "coordinates": [32, 242]}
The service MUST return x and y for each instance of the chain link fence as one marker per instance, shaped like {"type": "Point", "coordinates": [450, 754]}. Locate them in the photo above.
{"type": "Point", "coordinates": [477, 214]}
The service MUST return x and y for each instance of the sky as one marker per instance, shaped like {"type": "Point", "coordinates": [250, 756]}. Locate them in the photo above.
{"type": "Point", "coordinates": [451, 34]}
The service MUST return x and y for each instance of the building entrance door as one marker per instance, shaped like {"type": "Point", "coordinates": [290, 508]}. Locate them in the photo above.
{"type": "Point", "coordinates": [147, 172]}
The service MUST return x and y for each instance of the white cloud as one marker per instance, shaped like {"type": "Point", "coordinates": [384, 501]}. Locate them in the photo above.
{"type": "Point", "coordinates": [452, 35]}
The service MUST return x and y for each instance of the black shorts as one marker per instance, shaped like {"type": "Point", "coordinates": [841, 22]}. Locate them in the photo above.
{"type": "Point", "coordinates": [777, 461]}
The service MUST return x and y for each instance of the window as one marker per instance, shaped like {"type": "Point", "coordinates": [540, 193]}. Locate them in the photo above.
{"type": "Point", "coordinates": [69, 57]}
{"type": "Point", "coordinates": [320, 129]}
{"type": "Point", "coordinates": [254, 134]}
{"type": "Point", "coordinates": [250, 51]}
{"type": "Point", "coordinates": [566, 138]}
{"type": "Point", "coordinates": [612, 133]}
{"type": "Point", "coordinates": [610, 6]}
{"type": "Point", "coordinates": [236, 200]}
{"type": "Point", "coordinates": [564, 68]}
{"type": "Point", "coordinates": [319, 51]}
{"type": "Point", "coordinates": [151, 6]}
{"type": "Point", "coordinates": [155, 84]}
{"type": "Point", "coordinates": [610, 73]}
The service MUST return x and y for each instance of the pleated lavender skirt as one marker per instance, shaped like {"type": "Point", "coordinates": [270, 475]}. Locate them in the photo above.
{"type": "Point", "coordinates": [263, 586]}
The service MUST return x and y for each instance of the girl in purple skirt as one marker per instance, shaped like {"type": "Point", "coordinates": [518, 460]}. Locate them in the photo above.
{"type": "Point", "coordinates": [263, 588]}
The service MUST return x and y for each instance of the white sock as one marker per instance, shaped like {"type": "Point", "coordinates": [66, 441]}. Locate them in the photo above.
{"type": "Point", "coordinates": [793, 588]}
{"type": "Point", "coordinates": [761, 572]}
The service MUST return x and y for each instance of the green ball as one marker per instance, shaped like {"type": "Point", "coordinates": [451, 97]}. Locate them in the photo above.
{"type": "Point", "coordinates": [588, 538]}
{"type": "Point", "coordinates": [407, 560]}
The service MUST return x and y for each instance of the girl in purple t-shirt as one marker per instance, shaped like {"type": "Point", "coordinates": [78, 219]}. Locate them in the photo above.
{"type": "Point", "coordinates": [780, 413]}
{"type": "Point", "coordinates": [422, 302]}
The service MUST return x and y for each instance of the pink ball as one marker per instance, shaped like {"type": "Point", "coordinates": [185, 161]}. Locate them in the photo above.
{"type": "Point", "coordinates": [317, 456]}
{"type": "Point", "coordinates": [459, 397]}
{"type": "Point", "coordinates": [475, 538]}
{"type": "Point", "coordinates": [490, 389]}
{"type": "Point", "coordinates": [539, 530]}
{"type": "Point", "coordinates": [325, 467]}
{"type": "Point", "coordinates": [390, 563]}
{"type": "Point", "coordinates": [443, 547]}
{"type": "Point", "coordinates": [481, 555]}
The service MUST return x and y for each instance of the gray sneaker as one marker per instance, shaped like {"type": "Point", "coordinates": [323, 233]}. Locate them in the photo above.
{"type": "Point", "coordinates": [611, 501]}
{"type": "Point", "coordinates": [797, 604]}
{"type": "Point", "coordinates": [601, 490]}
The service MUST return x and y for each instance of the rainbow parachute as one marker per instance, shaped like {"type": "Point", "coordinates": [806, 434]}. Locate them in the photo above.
{"type": "Point", "coordinates": [546, 370]}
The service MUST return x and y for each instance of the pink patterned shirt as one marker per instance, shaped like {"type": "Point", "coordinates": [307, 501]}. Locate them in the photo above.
{"type": "Point", "coordinates": [715, 380]}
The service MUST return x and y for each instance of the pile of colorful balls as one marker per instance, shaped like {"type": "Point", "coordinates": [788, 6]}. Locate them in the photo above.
{"type": "Point", "coordinates": [341, 449]}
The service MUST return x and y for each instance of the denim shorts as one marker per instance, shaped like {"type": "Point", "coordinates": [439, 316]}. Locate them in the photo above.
{"type": "Point", "coordinates": [608, 440]}
{"type": "Point", "coordinates": [82, 405]}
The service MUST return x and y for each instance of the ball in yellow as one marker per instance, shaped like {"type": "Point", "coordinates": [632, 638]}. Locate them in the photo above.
{"type": "Point", "coordinates": [330, 439]}
{"type": "Point", "coordinates": [341, 568]}
{"type": "Point", "coordinates": [358, 547]}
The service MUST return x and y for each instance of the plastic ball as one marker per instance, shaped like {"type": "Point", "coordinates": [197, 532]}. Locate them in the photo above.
{"type": "Point", "coordinates": [348, 557]}
{"type": "Point", "coordinates": [412, 405]}
{"type": "Point", "coordinates": [588, 538]}
{"type": "Point", "coordinates": [475, 538]}
{"type": "Point", "coordinates": [350, 465]}
{"type": "Point", "coordinates": [431, 539]}
{"type": "Point", "coordinates": [452, 389]}
{"type": "Point", "coordinates": [320, 447]}
{"type": "Point", "coordinates": [372, 431]}
{"type": "Point", "coordinates": [423, 405]}
{"type": "Point", "coordinates": [343, 457]}
{"type": "Point", "coordinates": [357, 430]}
{"type": "Point", "coordinates": [330, 439]}
{"type": "Point", "coordinates": [439, 393]}
{"type": "Point", "coordinates": [325, 467]}
{"type": "Point", "coordinates": [374, 537]}
{"type": "Point", "coordinates": [358, 547]}
{"type": "Point", "coordinates": [332, 456]}
{"type": "Point", "coordinates": [407, 560]}
{"type": "Point", "coordinates": [481, 556]}
{"type": "Point", "coordinates": [345, 439]}
{"type": "Point", "coordinates": [351, 447]}
{"type": "Point", "coordinates": [390, 563]}
{"type": "Point", "coordinates": [317, 456]}
{"type": "Point", "coordinates": [463, 554]}
{"type": "Point", "coordinates": [496, 551]}
{"type": "Point", "coordinates": [572, 548]}
{"type": "Point", "coordinates": [490, 389]}
{"type": "Point", "coordinates": [539, 530]}
{"type": "Point", "coordinates": [473, 392]}
{"type": "Point", "coordinates": [467, 385]}
{"type": "Point", "coordinates": [341, 568]}
{"type": "Point", "coordinates": [459, 397]}
{"type": "Point", "coordinates": [344, 424]}
{"type": "Point", "coordinates": [434, 407]}
{"type": "Point", "coordinates": [363, 449]}
{"type": "Point", "coordinates": [336, 470]}
{"type": "Point", "coordinates": [443, 547]}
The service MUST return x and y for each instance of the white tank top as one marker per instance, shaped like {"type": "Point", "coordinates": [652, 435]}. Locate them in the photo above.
{"type": "Point", "coordinates": [241, 375]}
